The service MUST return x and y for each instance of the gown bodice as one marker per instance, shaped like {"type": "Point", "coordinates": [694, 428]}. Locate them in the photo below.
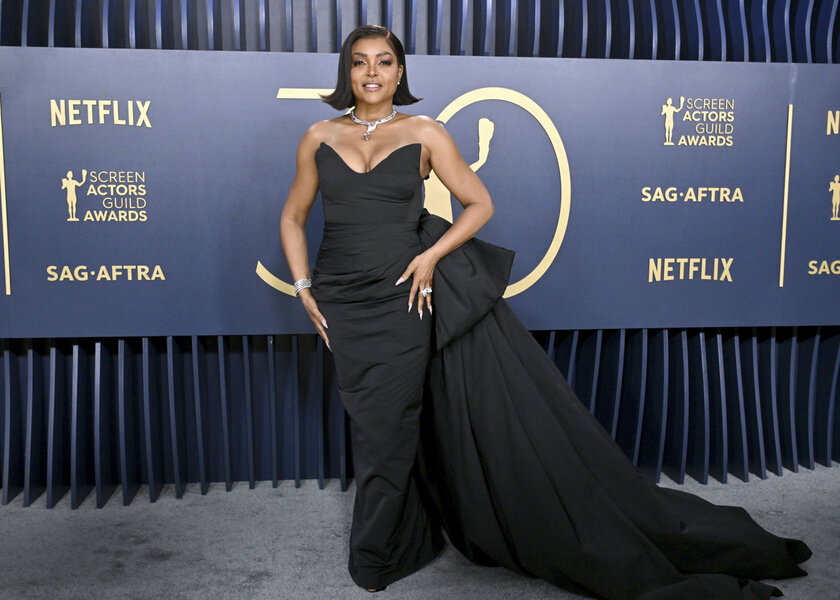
{"type": "Point", "coordinates": [370, 225]}
{"type": "Point", "coordinates": [391, 192]}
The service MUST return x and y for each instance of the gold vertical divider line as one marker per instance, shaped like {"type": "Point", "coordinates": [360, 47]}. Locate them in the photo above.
{"type": "Point", "coordinates": [3, 207]}
{"type": "Point", "coordinates": [787, 187]}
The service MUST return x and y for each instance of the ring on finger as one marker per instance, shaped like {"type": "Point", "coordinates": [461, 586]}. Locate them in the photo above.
{"type": "Point", "coordinates": [425, 291]}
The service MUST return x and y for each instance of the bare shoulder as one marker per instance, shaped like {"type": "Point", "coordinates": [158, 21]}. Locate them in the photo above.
{"type": "Point", "coordinates": [429, 132]}
{"type": "Point", "coordinates": [423, 125]}
{"type": "Point", "coordinates": [318, 132]}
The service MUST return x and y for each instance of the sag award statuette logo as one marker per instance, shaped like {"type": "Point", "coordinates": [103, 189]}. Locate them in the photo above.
{"type": "Point", "coordinates": [70, 184]}
{"type": "Point", "coordinates": [703, 122]}
{"type": "Point", "coordinates": [834, 188]}
{"type": "Point", "coordinates": [437, 197]}
{"type": "Point", "coordinates": [119, 196]}
{"type": "Point", "coordinates": [668, 110]}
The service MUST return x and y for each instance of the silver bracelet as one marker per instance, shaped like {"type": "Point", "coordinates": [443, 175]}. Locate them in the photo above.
{"type": "Point", "coordinates": [301, 284]}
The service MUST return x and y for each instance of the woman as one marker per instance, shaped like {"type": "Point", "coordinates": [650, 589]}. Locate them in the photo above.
{"type": "Point", "coordinates": [504, 457]}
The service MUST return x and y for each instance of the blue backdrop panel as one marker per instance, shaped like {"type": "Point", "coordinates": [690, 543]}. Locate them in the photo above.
{"type": "Point", "coordinates": [636, 194]}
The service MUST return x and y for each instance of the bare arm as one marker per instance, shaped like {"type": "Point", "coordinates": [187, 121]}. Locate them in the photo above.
{"type": "Point", "coordinates": [293, 222]}
{"type": "Point", "coordinates": [465, 185]}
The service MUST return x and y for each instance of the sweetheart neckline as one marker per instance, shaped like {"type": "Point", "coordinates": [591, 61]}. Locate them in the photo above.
{"type": "Point", "coordinates": [390, 154]}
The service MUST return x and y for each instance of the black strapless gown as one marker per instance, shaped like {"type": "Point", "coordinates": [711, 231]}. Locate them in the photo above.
{"type": "Point", "coordinates": [502, 455]}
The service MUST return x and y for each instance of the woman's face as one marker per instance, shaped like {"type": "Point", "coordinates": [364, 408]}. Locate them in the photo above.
{"type": "Point", "coordinates": [374, 71]}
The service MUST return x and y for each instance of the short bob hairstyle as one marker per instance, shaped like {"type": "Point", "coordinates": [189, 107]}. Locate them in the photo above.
{"type": "Point", "coordinates": [342, 97]}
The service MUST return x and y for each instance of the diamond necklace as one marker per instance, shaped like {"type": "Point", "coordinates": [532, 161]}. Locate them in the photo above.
{"type": "Point", "coordinates": [371, 125]}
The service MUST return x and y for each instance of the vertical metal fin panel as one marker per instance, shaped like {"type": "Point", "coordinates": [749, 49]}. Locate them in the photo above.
{"type": "Point", "coordinates": [584, 28]}
{"type": "Point", "coordinates": [677, 35]}
{"type": "Point", "coordinates": [653, 415]}
{"type": "Point", "coordinates": [175, 429]}
{"type": "Point", "coordinates": [388, 19]}
{"type": "Point", "coordinates": [830, 425]}
{"type": "Point", "coordinates": [101, 430]}
{"type": "Point", "coordinates": [787, 418]}
{"type": "Point", "coordinates": [264, 20]}
{"type": "Point", "coordinates": [274, 424]}
{"type": "Point", "coordinates": [765, 22]}
{"type": "Point", "coordinates": [249, 412]}
{"type": "Point", "coordinates": [150, 442]}
{"type": "Point", "coordinates": [570, 372]}
{"type": "Point", "coordinates": [719, 448]}
{"type": "Point", "coordinates": [721, 24]}
{"type": "Point", "coordinates": [198, 409]}
{"type": "Point", "coordinates": [776, 466]}
{"type": "Point", "coordinates": [158, 25]}
{"type": "Point", "coordinates": [225, 413]}
{"type": "Point", "coordinates": [608, 30]}
{"type": "Point", "coordinates": [34, 459]}
{"type": "Point", "coordinates": [321, 392]}
{"type": "Point", "coordinates": [77, 38]}
{"type": "Point", "coordinates": [640, 409]}
{"type": "Point", "coordinates": [631, 29]}
{"type": "Point", "coordinates": [787, 35]}
{"type": "Point", "coordinates": [56, 456]}
{"type": "Point", "coordinates": [411, 33]}
{"type": "Point", "coordinates": [619, 380]}
{"type": "Point", "coordinates": [81, 426]}
{"type": "Point", "coordinates": [127, 423]}
{"type": "Point", "coordinates": [561, 26]}
{"type": "Point", "coordinates": [596, 365]}
{"type": "Point", "coordinates": [5, 374]}
{"type": "Point", "coordinates": [296, 408]}
{"type": "Point", "coordinates": [132, 23]}
{"type": "Point", "coordinates": [663, 413]}
{"type": "Point", "coordinates": [239, 40]}
{"type": "Point", "coordinates": [806, 412]}
{"type": "Point", "coordinates": [183, 23]}
{"type": "Point", "coordinates": [51, 25]}
{"type": "Point", "coordinates": [552, 340]}
{"type": "Point", "coordinates": [289, 39]}
{"type": "Point", "coordinates": [745, 37]}
{"type": "Point", "coordinates": [739, 454]}
{"type": "Point", "coordinates": [436, 26]}
{"type": "Point", "coordinates": [698, 23]}
{"type": "Point", "coordinates": [628, 414]}
{"type": "Point", "coordinates": [12, 479]}
{"type": "Point", "coordinates": [654, 28]}
{"type": "Point", "coordinates": [24, 33]}
{"type": "Point", "coordinates": [756, 413]}
{"type": "Point", "coordinates": [676, 432]}
{"type": "Point", "coordinates": [313, 29]}
{"type": "Point", "coordinates": [807, 32]}
{"type": "Point", "coordinates": [697, 455]}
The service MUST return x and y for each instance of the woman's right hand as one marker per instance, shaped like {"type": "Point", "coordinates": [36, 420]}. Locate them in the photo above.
{"type": "Point", "coordinates": [317, 318]}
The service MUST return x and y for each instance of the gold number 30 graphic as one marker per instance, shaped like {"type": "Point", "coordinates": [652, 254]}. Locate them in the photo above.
{"type": "Point", "coordinates": [437, 198]}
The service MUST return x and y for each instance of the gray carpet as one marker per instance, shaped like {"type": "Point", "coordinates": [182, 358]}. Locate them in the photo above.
{"type": "Point", "coordinates": [291, 543]}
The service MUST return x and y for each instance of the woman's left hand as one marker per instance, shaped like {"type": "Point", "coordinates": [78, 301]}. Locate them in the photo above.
{"type": "Point", "coordinates": [422, 270]}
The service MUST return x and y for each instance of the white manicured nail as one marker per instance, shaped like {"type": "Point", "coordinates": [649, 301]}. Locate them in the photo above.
{"type": "Point", "coordinates": [399, 281]}
{"type": "Point", "coordinates": [409, 306]}
{"type": "Point", "coordinates": [324, 323]}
